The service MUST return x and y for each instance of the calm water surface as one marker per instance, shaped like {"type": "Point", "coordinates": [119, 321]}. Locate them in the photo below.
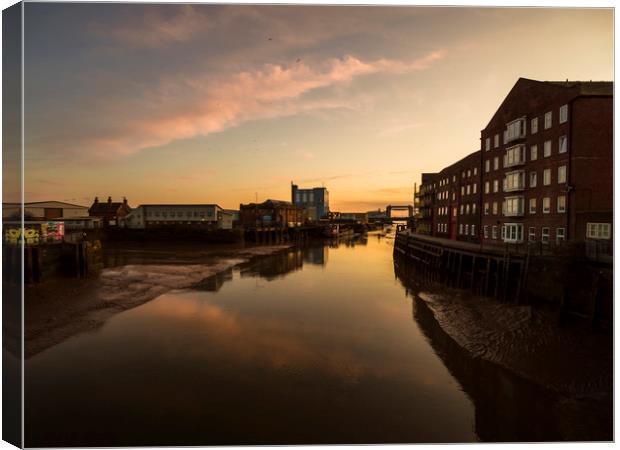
{"type": "Point", "coordinates": [320, 345]}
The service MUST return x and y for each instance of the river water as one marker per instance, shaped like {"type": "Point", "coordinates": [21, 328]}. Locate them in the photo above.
{"type": "Point", "coordinates": [325, 344]}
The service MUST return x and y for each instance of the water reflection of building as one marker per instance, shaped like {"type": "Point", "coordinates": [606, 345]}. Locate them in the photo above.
{"type": "Point", "coordinates": [316, 255]}
{"type": "Point", "coordinates": [280, 264]}
{"type": "Point", "coordinates": [215, 282]}
{"type": "Point", "coordinates": [507, 407]}
{"type": "Point", "coordinates": [277, 265]}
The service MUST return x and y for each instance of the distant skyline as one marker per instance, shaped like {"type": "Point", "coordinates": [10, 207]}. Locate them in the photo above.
{"type": "Point", "coordinates": [219, 104]}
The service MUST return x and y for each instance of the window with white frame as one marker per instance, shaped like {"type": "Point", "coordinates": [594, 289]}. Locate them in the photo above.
{"type": "Point", "coordinates": [496, 163]}
{"type": "Point", "coordinates": [485, 231]}
{"type": "Point", "coordinates": [561, 174]}
{"type": "Point", "coordinates": [514, 181]}
{"type": "Point", "coordinates": [533, 179]}
{"type": "Point", "coordinates": [453, 196]}
{"type": "Point", "coordinates": [544, 235]}
{"type": "Point", "coordinates": [461, 210]}
{"type": "Point", "coordinates": [547, 149]}
{"type": "Point", "coordinates": [532, 206]}
{"type": "Point", "coordinates": [460, 228]}
{"type": "Point", "coordinates": [513, 232]}
{"type": "Point", "coordinates": [473, 230]}
{"type": "Point", "coordinates": [598, 230]}
{"type": "Point", "coordinates": [468, 173]}
{"type": "Point", "coordinates": [515, 130]}
{"type": "Point", "coordinates": [487, 165]}
{"type": "Point", "coordinates": [546, 205]}
{"type": "Point", "coordinates": [514, 156]}
{"type": "Point", "coordinates": [473, 208]}
{"type": "Point", "coordinates": [562, 144]}
{"type": "Point", "coordinates": [494, 232]}
{"type": "Point", "coordinates": [468, 189]}
{"type": "Point", "coordinates": [560, 235]}
{"type": "Point", "coordinates": [466, 229]}
{"type": "Point", "coordinates": [534, 125]}
{"type": "Point", "coordinates": [531, 235]}
{"type": "Point", "coordinates": [475, 171]}
{"type": "Point", "coordinates": [467, 208]}
{"type": "Point", "coordinates": [463, 174]}
{"type": "Point", "coordinates": [563, 113]}
{"type": "Point", "coordinates": [486, 187]}
{"type": "Point", "coordinates": [486, 209]}
{"type": "Point", "coordinates": [454, 178]}
{"type": "Point", "coordinates": [548, 119]}
{"type": "Point", "coordinates": [495, 185]}
{"type": "Point", "coordinates": [513, 206]}
{"type": "Point", "coordinates": [462, 190]}
{"type": "Point", "coordinates": [475, 188]}
{"type": "Point", "coordinates": [495, 208]}
{"type": "Point", "coordinates": [546, 177]}
{"type": "Point", "coordinates": [496, 141]}
{"type": "Point", "coordinates": [533, 152]}
{"type": "Point", "coordinates": [561, 203]}
{"type": "Point", "coordinates": [488, 144]}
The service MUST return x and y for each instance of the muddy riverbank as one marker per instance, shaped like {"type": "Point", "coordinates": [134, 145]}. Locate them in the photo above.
{"type": "Point", "coordinates": [572, 360]}
{"type": "Point", "coordinates": [60, 308]}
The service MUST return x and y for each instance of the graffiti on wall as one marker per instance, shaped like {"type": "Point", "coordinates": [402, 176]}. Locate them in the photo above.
{"type": "Point", "coordinates": [34, 233]}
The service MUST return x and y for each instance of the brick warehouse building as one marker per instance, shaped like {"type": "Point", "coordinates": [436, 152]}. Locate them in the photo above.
{"type": "Point", "coordinates": [547, 163]}
{"type": "Point", "coordinates": [545, 170]}
{"type": "Point", "coordinates": [457, 204]}
{"type": "Point", "coordinates": [425, 200]}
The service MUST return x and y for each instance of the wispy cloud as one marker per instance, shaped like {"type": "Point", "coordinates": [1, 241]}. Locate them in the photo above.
{"type": "Point", "coordinates": [156, 30]}
{"type": "Point", "coordinates": [185, 107]}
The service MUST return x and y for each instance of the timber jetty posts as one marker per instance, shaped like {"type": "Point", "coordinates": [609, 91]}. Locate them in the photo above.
{"type": "Point", "coordinates": [264, 234]}
{"type": "Point", "coordinates": [44, 261]}
{"type": "Point", "coordinates": [462, 265]}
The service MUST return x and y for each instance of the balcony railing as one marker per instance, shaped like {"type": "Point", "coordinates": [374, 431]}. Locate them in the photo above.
{"type": "Point", "coordinates": [517, 213]}
{"type": "Point", "coordinates": [514, 188]}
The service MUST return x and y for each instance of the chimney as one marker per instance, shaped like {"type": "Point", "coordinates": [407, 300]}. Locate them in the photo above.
{"type": "Point", "coordinates": [125, 201]}
{"type": "Point", "coordinates": [110, 199]}
{"type": "Point", "coordinates": [96, 200]}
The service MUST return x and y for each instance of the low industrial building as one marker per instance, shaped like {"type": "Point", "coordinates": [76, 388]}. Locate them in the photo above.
{"type": "Point", "coordinates": [74, 217]}
{"type": "Point", "coordinates": [271, 213]}
{"type": "Point", "coordinates": [209, 216]}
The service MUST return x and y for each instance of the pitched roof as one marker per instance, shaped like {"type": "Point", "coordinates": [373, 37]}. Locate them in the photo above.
{"type": "Point", "coordinates": [55, 203]}
{"type": "Point", "coordinates": [105, 207]}
{"type": "Point", "coordinates": [569, 89]}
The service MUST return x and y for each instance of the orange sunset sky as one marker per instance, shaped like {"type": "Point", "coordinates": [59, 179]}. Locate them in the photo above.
{"type": "Point", "coordinates": [222, 104]}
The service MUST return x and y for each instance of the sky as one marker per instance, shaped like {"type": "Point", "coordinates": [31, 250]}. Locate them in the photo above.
{"type": "Point", "coordinates": [229, 104]}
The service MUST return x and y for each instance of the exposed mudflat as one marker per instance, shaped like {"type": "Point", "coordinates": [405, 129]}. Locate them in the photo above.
{"type": "Point", "coordinates": [58, 309]}
{"type": "Point", "coordinates": [528, 341]}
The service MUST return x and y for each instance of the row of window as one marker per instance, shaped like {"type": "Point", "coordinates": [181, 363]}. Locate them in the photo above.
{"type": "Point", "coordinates": [179, 214]}
{"type": "Point", "coordinates": [467, 230]}
{"type": "Point", "coordinates": [515, 206]}
{"type": "Point", "coordinates": [516, 180]}
{"type": "Point", "coordinates": [466, 173]}
{"type": "Point", "coordinates": [516, 155]}
{"type": "Point", "coordinates": [517, 128]}
{"type": "Point", "coordinates": [513, 232]}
